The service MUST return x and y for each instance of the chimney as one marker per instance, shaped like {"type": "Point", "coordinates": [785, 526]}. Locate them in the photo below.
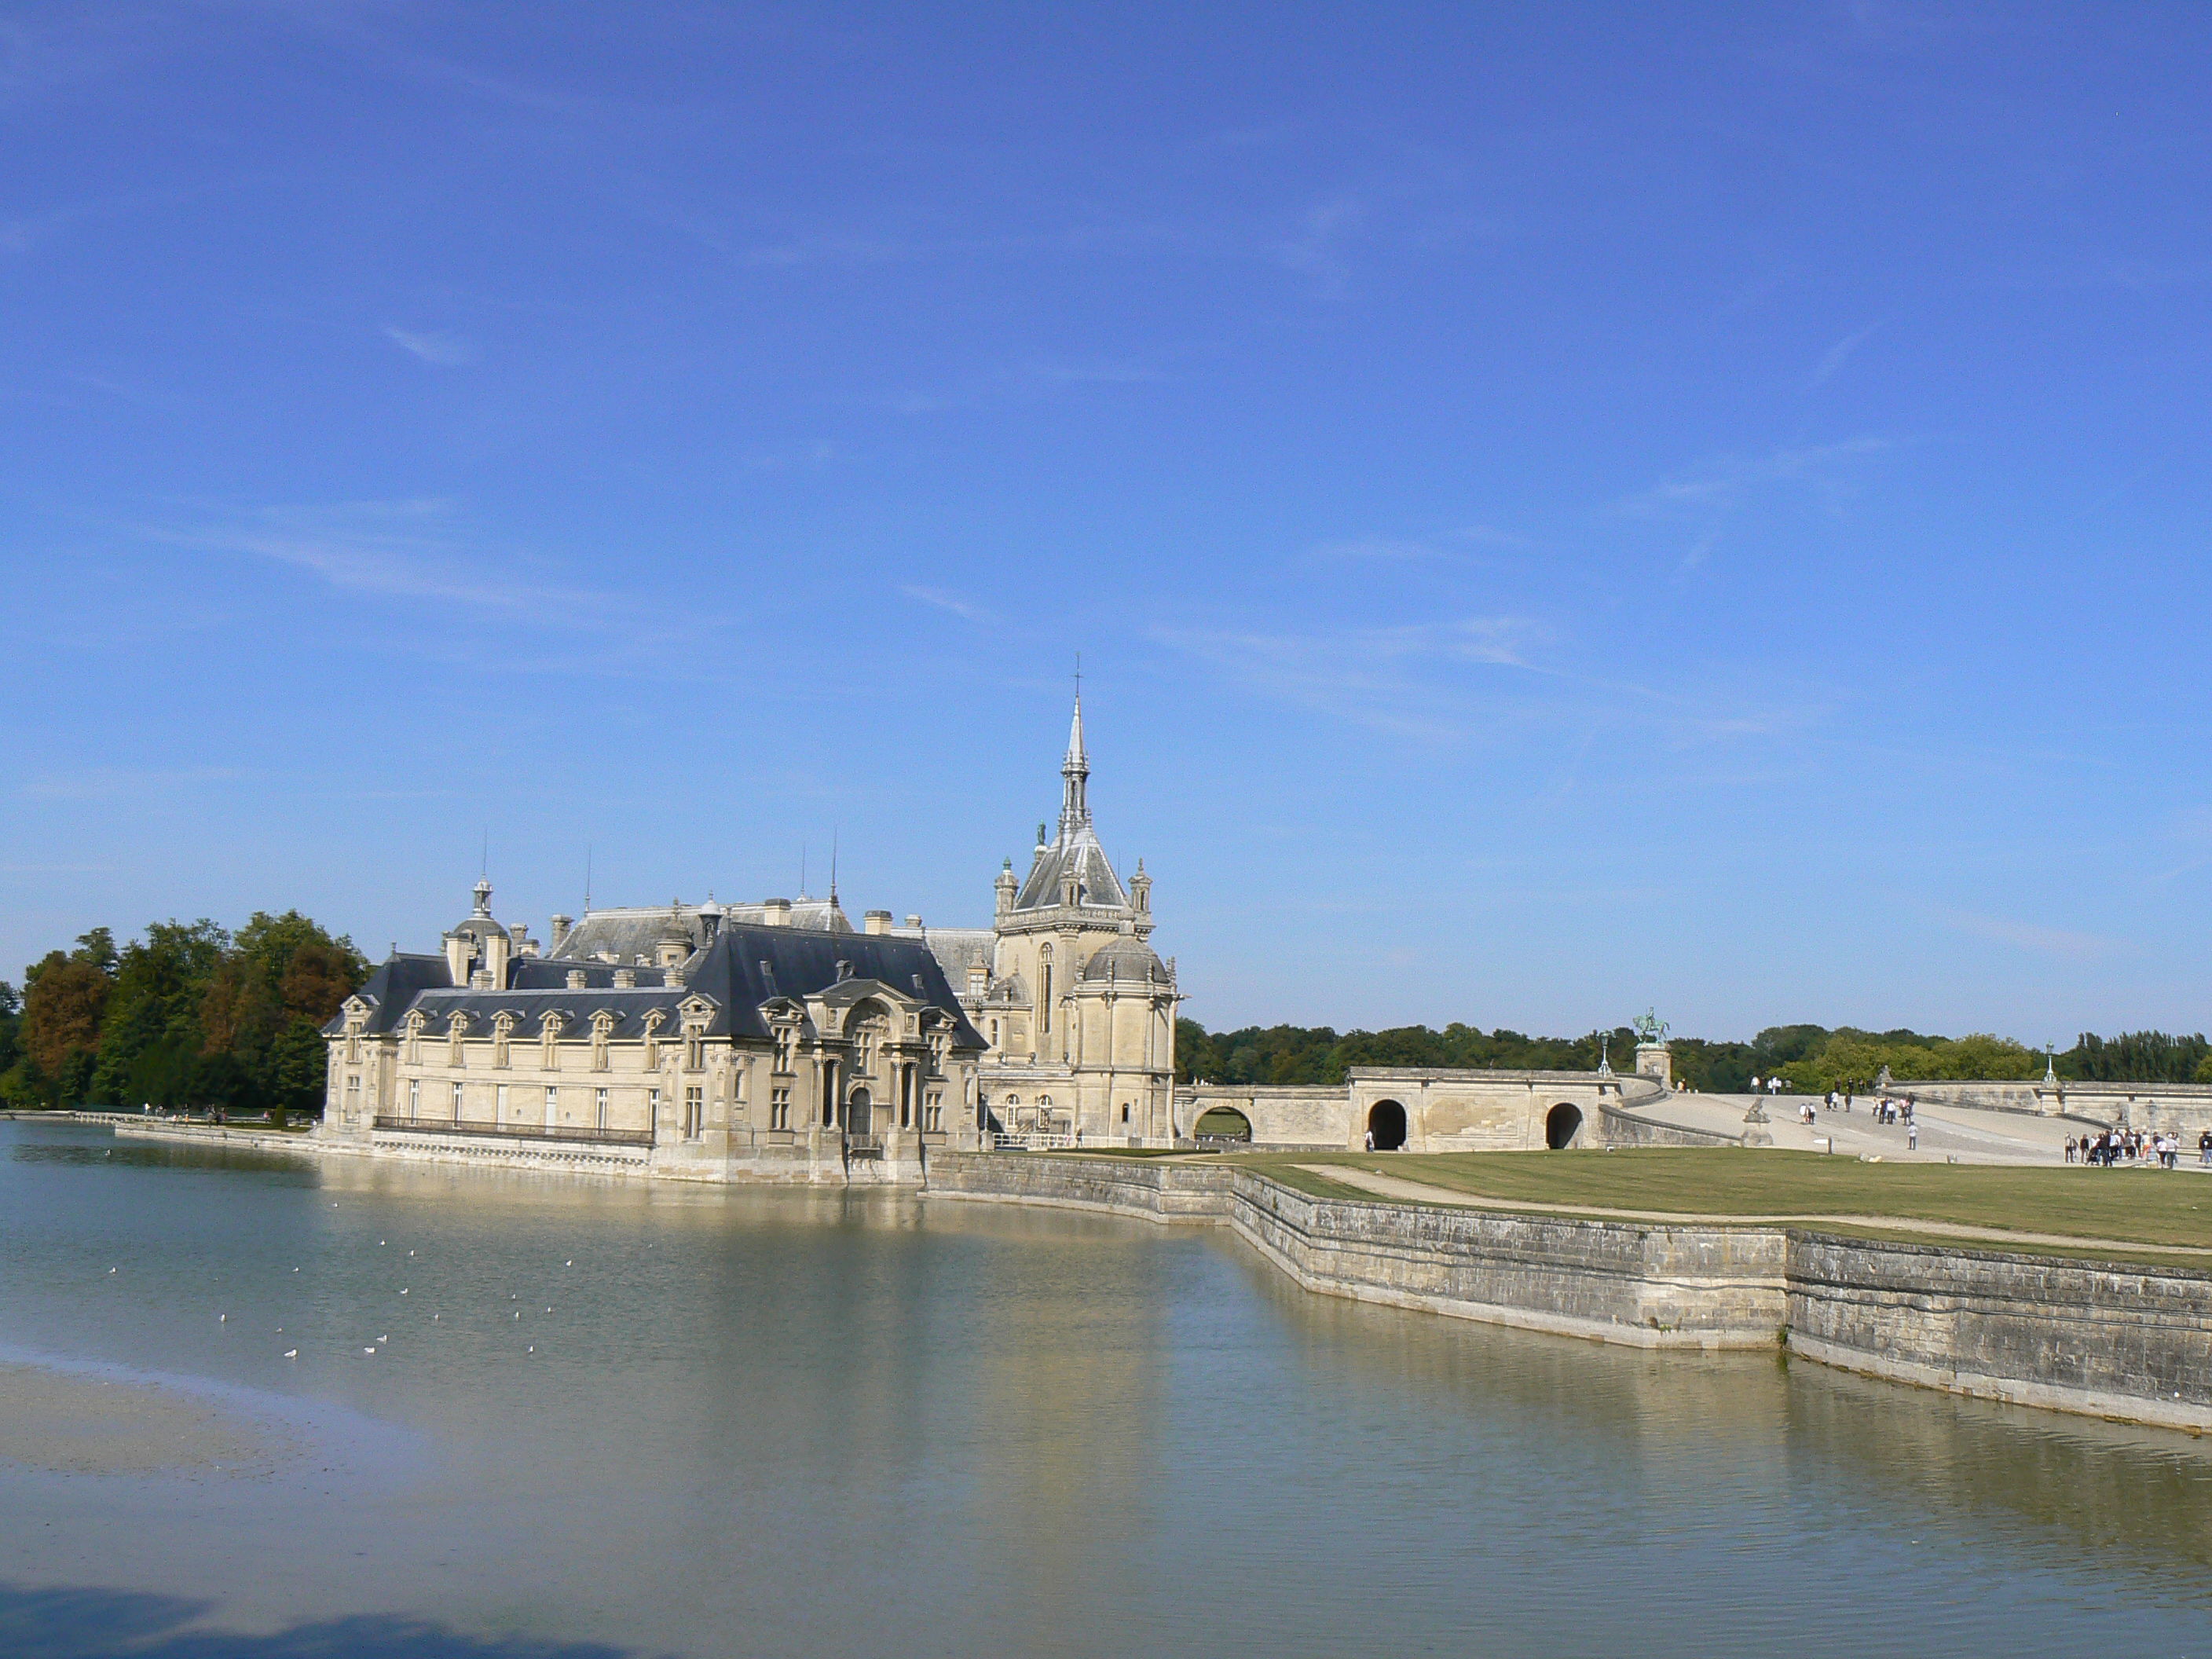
{"type": "Point", "coordinates": [913, 921]}
{"type": "Point", "coordinates": [625, 979]}
{"type": "Point", "coordinates": [575, 979]}
{"type": "Point", "coordinates": [877, 921]}
{"type": "Point", "coordinates": [778, 913]}
{"type": "Point", "coordinates": [560, 925]}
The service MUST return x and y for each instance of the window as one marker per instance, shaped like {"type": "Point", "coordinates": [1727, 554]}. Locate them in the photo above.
{"type": "Point", "coordinates": [353, 1091]}
{"type": "Point", "coordinates": [1044, 1003]}
{"type": "Point", "coordinates": [695, 1111]}
{"type": "Point", "coordinates": [599, 1107]}
{"type": "Point", "coordinates": [1125, 1112]}
{"type": "Point", "coordinates": [499, 1105]}
{"type": "Point", "coordinates": [933, 1113]}
{"type": "Point", "coordinates": [552, 1106]}
{"type": "Point", "coordinates": [995, 1034]}
{"type": "Point", "coordinates": [457, 1102]}
{"type": "Point", "coordinates": [695, 1052]}
{"type": "Point", "coordinates": [778, 1108]}
{"type": "Point", "coordinates": [414, 1097]}
{"type": "Point", "coordinates": [652, 1109]}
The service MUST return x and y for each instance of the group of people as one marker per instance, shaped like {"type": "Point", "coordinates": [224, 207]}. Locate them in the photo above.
{"type": "Point", "coordinates": [1885, 1110]}
{"type": "Point", "coordinates": [2116, 1146]}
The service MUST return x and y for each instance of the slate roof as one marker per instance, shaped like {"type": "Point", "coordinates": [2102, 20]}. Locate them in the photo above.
{"type": "Point", "coordinates": [1127, 957]}
{"type": "Point", "coordinates": [631, 932]}
{"type": "Point", "coordinates": [956, 949]}
{"type": "Point", "coordinates": [1076, 848]}
{"type": "Point", "coordinates": [746, 967]}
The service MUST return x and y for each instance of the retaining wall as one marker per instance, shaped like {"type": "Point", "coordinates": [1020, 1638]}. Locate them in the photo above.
{"type": "Point", "coordinates": [2104, 1340]}
{"type": "Point", "coordinates": [2112, 1341]}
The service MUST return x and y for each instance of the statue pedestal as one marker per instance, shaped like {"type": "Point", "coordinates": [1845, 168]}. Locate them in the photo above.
{"type": "Point", "coordinates": [1652, 1060]}
{"type": "Point", "coordinates": [1756, 1132]}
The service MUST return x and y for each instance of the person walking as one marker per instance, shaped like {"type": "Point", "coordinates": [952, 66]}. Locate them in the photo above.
{"type": "Point", "coordinates": [2069, 1149]}
{"type": "Point", "coordinates": [1911, 1136]}
{"type": "Point", "coordinates": [2204, 1149]}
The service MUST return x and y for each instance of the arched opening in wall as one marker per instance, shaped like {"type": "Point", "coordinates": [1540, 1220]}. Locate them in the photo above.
{"type": "Point", "coordinates": [1220, 1126]}
{"type": "Point", "coordinates": [859, 1113]}
{"type": "Point", "coordinates": [1561, 1124]}
{"type": "Point", "coordinates": [1386, 1122]}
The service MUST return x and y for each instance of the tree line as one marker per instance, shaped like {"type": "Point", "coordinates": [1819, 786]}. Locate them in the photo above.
{"type": "Point", "coordinates": [188, 1014]}
{"type": "Point", "coordinates": [1810, 1059]}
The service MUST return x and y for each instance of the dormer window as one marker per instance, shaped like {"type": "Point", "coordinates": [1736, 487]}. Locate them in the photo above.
{"type": "Point", "coordinates": [503, 1028]}
{"type": "Point", "coordinates": [456, 1027]}
{"type": "Point", "coordinates": [603, 1025]}
{"type": "Point", "coordinates": [653, 1018]}
{"type": "Point", "coordinates": [549, 1038]}
{"type": "Point", "coordinates": [414, 1037]}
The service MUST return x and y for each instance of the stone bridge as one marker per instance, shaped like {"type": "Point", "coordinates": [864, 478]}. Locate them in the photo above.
{"type": "Point", "coordinates": [1421, 1109]}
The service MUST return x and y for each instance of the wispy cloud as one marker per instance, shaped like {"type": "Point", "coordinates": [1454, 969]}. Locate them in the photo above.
{"type": "Point", "coordinates": [1839, 354]}
{"type": "Point", "coordinates": [1825, 469]}
{"type": "Point", "coordinates": [444, 351]}
{"type": "Point", "coordinates": [1370, 549]}
{"type": "Point", "coordinates": [1317, 247]}
{"type": "Point", "coordinates": [1455, 681]}
{"type": "Point", "coordinates": [2029, 935]}
{"type": "Point", "coordinates": [948, 602]}
{"type": "Point", "coordinates": [106, 782]}
{"type": "Point", "coordinates": [405, 548]}
{"type": "Point", "coordinates": [1377, 678]}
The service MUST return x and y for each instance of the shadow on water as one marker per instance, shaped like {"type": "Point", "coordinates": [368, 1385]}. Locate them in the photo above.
{"type": "Point", "coordinates": [80, 1624]}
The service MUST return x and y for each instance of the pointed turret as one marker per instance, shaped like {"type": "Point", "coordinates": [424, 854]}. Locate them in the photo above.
{"type": "Point", "coordinates": [1075, 774]}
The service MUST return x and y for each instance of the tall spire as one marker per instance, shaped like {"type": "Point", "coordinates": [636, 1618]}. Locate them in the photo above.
{"type": "Point", "coordinates": [1075, 771]}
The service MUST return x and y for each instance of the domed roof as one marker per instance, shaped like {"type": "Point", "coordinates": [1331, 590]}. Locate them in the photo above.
{"type": "Point", "coordinates": [1127, 957]}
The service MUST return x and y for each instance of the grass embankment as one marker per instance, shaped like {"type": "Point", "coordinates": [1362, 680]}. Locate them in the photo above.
{"type": "Point", "coordinates": [2147, 1207]}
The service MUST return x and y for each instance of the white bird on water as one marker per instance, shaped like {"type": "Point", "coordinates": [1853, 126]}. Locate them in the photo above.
{"type": "Point", "coordinates": [291, 1353]}
{"type": "Point", "coordinates": [403, 1292]}
{"type": "Point", "coordinates": [224, 1318]}
{"type": "Point", "coordinates": [369, 1351]}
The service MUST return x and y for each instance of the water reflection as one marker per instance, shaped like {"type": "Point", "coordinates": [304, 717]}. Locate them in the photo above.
{"type": "Point", "coordinates": [705, 1421]}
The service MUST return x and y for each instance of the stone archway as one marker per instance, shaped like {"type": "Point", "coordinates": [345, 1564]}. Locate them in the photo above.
{"type": "Point", "coordinates": [1562, 1126]}
{"type": "Point", "coordinates": [1386, 1122]}
{"type": "Point", "coordinates": [860, 1113]}
{"type": "Point", "coordinates": [1222, 1123]}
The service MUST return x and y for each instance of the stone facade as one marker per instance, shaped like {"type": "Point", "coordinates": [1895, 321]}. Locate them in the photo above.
{"type": "Point", "coordinates": [773, 1039]}
{"type": "Point", "coordinates": [1427, 1110]}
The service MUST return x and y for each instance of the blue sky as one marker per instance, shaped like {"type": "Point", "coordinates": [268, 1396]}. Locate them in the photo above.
{"type": "Point", "coordinates": [1562, 509]}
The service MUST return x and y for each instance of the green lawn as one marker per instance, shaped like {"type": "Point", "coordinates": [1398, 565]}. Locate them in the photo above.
{"type": "Point", "coordinates": [2147, 1206]}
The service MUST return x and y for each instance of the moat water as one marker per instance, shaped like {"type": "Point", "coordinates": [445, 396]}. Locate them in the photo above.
{"type": "Point", "coordinates": [749, 1422]}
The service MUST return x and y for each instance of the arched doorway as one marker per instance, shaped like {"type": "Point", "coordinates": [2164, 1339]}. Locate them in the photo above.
{"type": "Point", "coordinates": [1222, 1123]}
{"type": "Point", "coordinates": [859, 1113]}
{"type": "Point", "coordinates": [1386, 1121]}
{"type": "Point", "coordinates": [1561, 1124]}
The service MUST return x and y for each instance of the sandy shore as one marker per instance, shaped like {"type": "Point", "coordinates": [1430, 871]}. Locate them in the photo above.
{"type": "Point", "coordinates": [67, 1422]}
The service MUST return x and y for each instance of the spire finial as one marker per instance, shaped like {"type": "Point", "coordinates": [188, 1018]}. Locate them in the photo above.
{"type": "Point", "coordinates": [1074, 804]}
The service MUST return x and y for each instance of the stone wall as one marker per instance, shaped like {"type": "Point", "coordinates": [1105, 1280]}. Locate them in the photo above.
{"type": "Point", "coordinates": [2107, 1340]}
{"type": "Point", "coordinates": [1646, 1287]}
{"type": "Point", "coordinates": [1143, 1187]}
{"type": "Point", "coordinates": [1629, 1129]}
{"type": "Point", "coordinates": [1441, 1109]}
{"type": "Point", "coordinates": [2121, 1341]}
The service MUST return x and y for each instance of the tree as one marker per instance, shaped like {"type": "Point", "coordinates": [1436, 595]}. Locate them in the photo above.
{"type": "Point", "coordinates": [61, 1009]}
